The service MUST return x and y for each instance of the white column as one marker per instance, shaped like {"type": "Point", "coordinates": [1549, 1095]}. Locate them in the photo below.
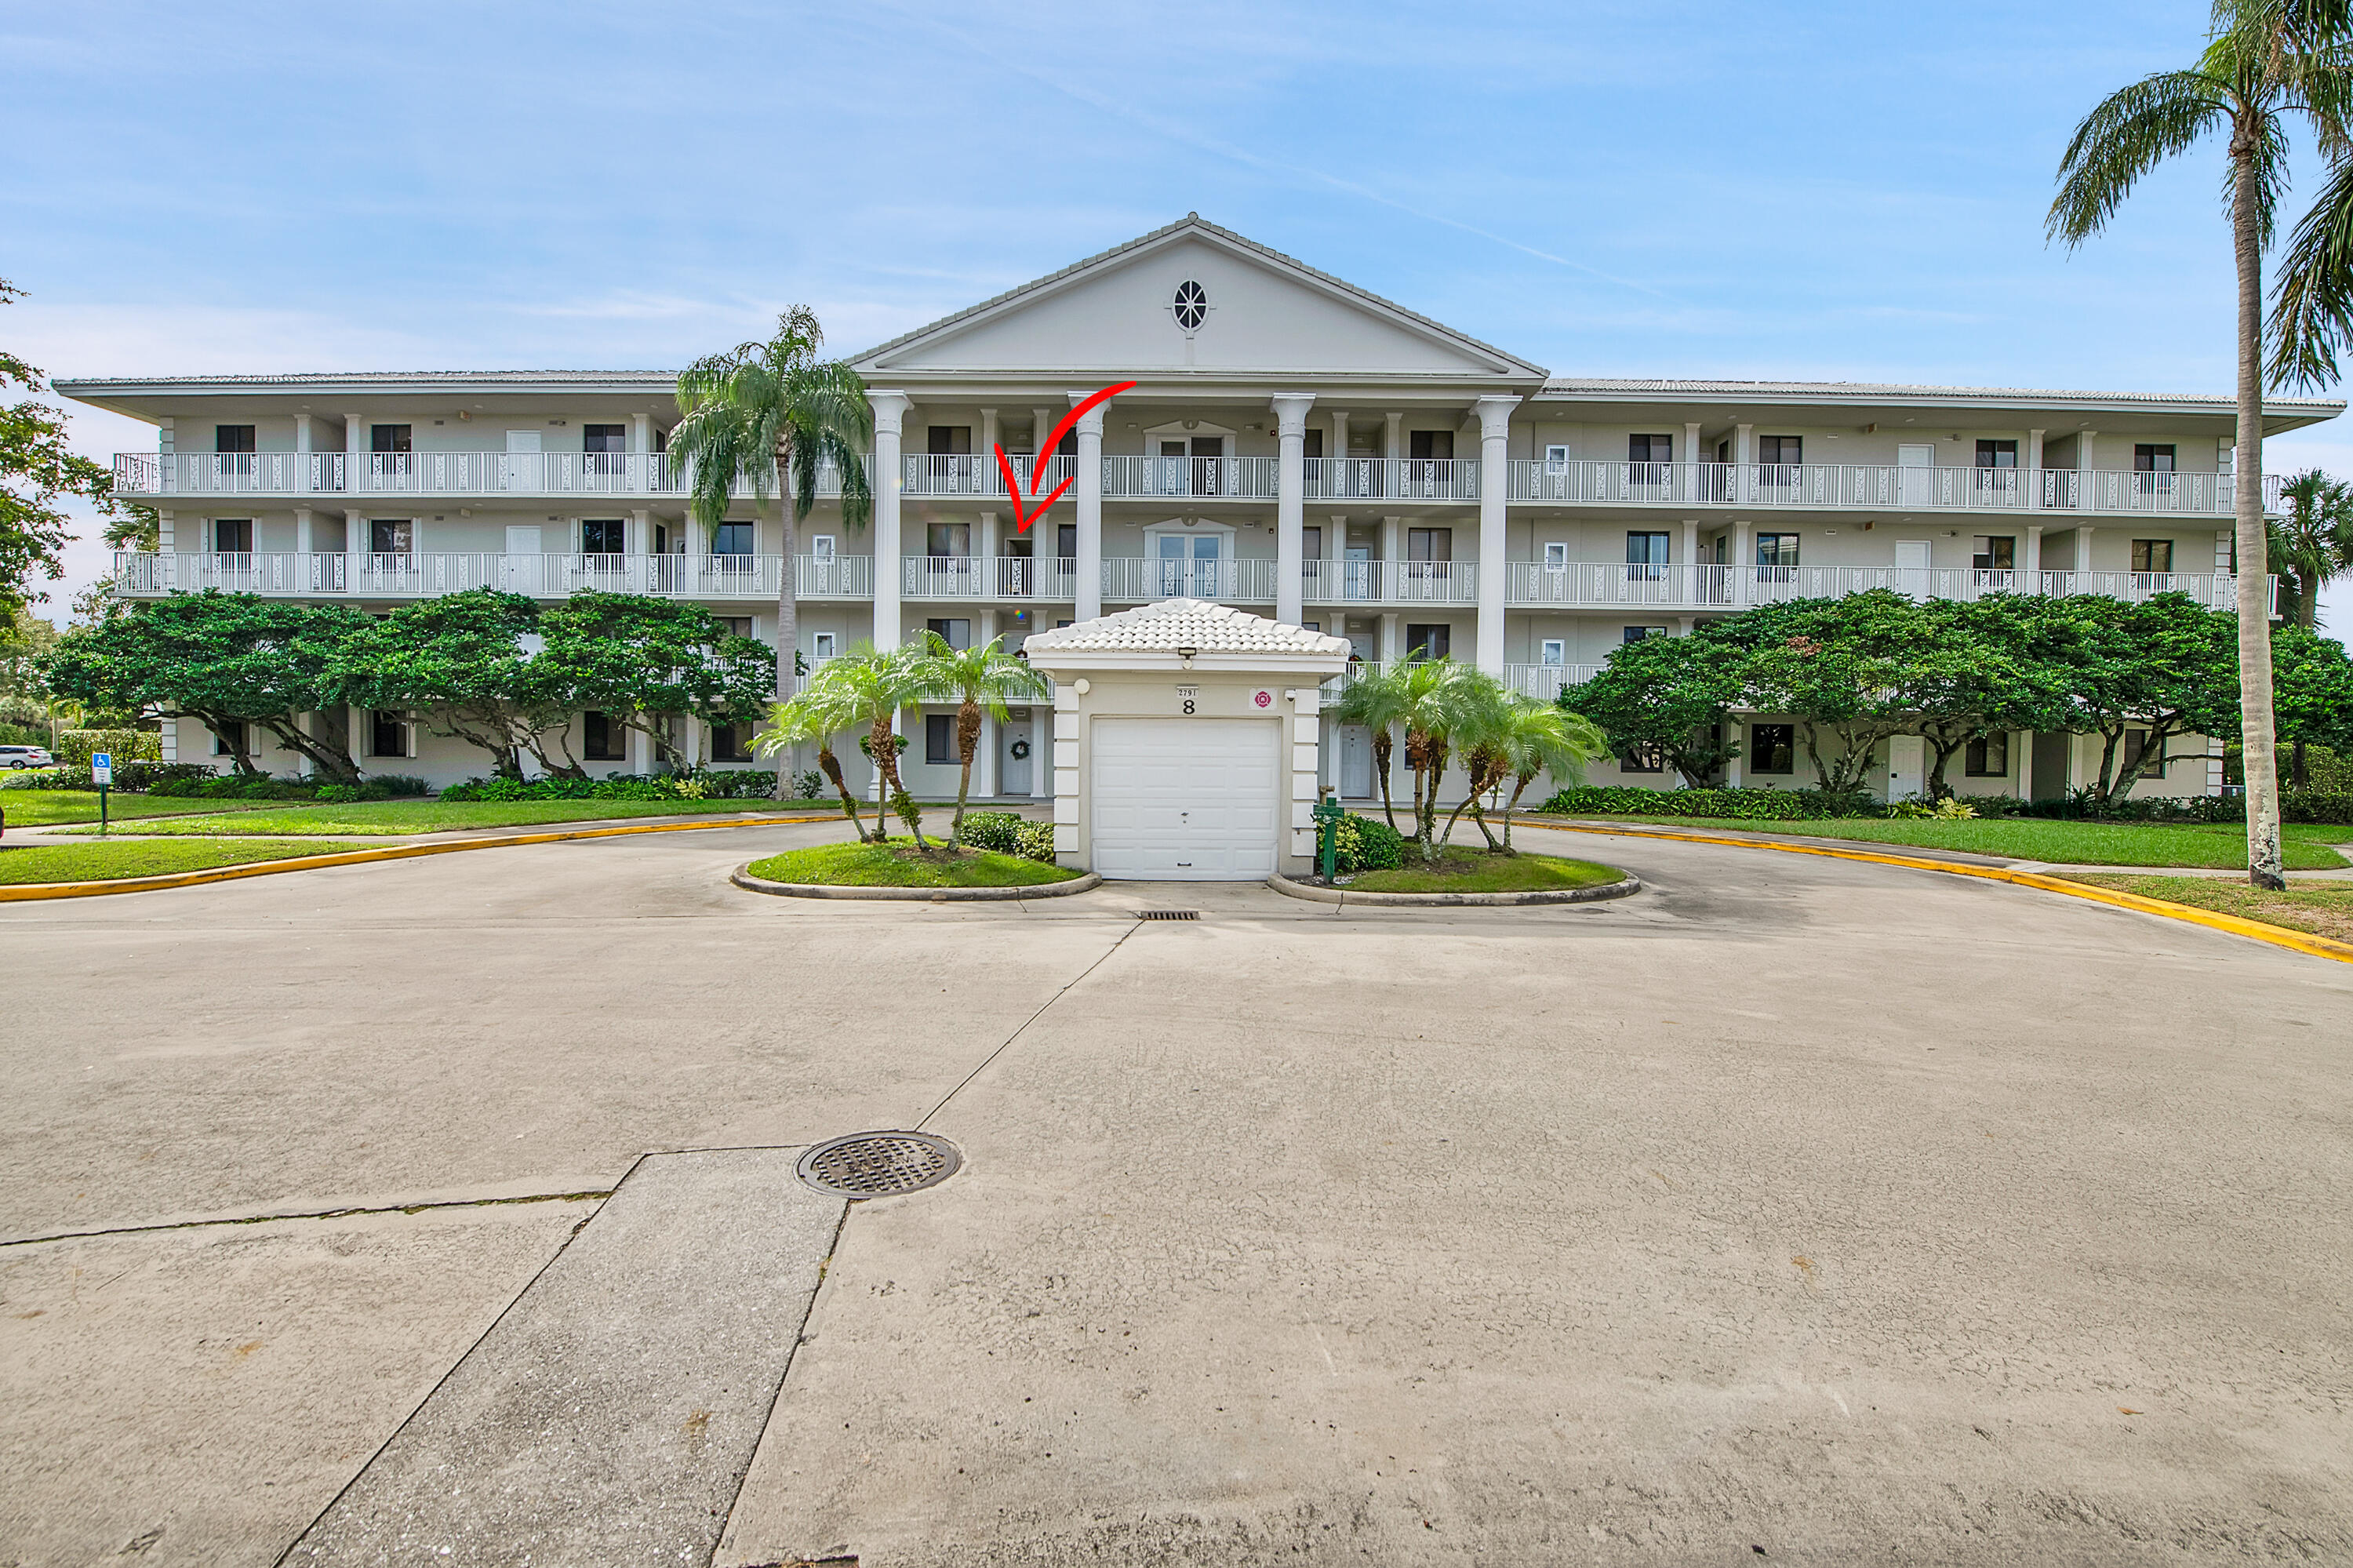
{"type": "Point", "coordinates": [689, 741]}
{"type": "Point", "coordinates": [984, 451]}
{"type": "Point", "coordinates": [1391, 635]}
{"type": "Point", "coordinates": [986, 548]}
{"type": "Point", "coordinates": [1392, 548]}
{"type": "Point", "coordinates": [640, 752]}
{"type": "Point", "coordinates": [356, 543]}
{"type": "Point", "coordinates": [1744, 573]}
{"type": "Point", "coordinates": [2034, 470]}
{"type": "Point", "coordinates": [2086, 440]}
{"type": "Point", "coordinates": [1691, 441]}
{"type": "Point", "coordinates": [890, 409]}
{"type": "Point", "coordinates": [1691, 559]}
{"type": "Point", "coordinates": [302, 542]}
{"type": "Point", "coordinates": [2032, 565]}
{"type": "Point", "coordinates": [301, 452]}
{"type": "Point", "coordinates": [2083, 553]}
{"type": "Point", "coordinates": [1392, 436]}
{"type": "Point", "coordinates": [1495, 453]}
{"type": "Point", "coordinates": [696, 542]}
{"type": "Point", "coordinates": [162, 532]}
{"type": "Point", "coordinates": [1042, 425]}
{"type": "Point", "coordinates": [641, 444]}
{"type": "Point", "coordinates": [1291, 499]}
{"type": "Point", "coordinates": [1739, 738]}
{"type": "Point", "coordinates": [1088, 567]}
{"type": "Point", "coordinates": [1744, 452]}
{"type": "Point", "coordinates": [1337, 447]}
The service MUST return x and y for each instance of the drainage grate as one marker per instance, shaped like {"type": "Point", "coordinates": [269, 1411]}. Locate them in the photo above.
{"type": "Point", "coordinates": [1168, 913]}
{"type": "Point", "coordinates": [879, 1165]}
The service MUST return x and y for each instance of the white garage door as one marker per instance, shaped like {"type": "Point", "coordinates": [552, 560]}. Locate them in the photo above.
{"type": "Point", "coordinates": [1193, 799]}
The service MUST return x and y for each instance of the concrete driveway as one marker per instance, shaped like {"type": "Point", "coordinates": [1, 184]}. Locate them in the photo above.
{"type": "Point", "coordinates": [1796, 1208]}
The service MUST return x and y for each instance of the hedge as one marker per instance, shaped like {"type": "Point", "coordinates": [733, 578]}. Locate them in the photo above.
{"type": "Point", "coordinates": [1753, 805]}
{"type": "Point", "coordinates": [737, 785]}
{"type": "Point", "coordinates": [75, 746]}
{"type": "Point", "coordinates": [1365, 843]}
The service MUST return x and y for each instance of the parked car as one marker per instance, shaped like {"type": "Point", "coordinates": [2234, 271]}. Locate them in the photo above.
{"type": "Point", "coordinates": [25, 756]}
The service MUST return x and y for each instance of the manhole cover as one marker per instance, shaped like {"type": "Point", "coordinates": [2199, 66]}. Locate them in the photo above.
{"type": "Point", "coordinates": [877, 1164]}
{"type": "Point", "coordinates": [1168, 913]}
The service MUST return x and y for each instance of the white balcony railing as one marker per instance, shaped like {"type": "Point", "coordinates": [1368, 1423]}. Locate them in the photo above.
{"type": "Point", "coordinates": [1544, 680]}
{"type": "Point", "coordinates": [1200, 478]}
{"type": "Point", "coordinates": [1392, 479]}
{"type": "Point", "coordinates": [1876, 487]}
{"type": "Point", "coordinates": [143, 475]}
{"type": "Point", "coordinates": [1141, 579]}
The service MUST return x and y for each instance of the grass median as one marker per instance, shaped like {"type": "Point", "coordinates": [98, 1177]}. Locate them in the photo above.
{"type": "Point", "coordinates": [389, 817]}
{"type": "Point", "coordinates": [2219, 845]}
{"type": "Point", "coordinates": [42, 808]}
{"type": "Point", "coordinates": [2315, 908]}
{"type": "Point", "coordinates": [902, 865]}
{"type": "Point", "coordinates": [146, 857]}
{"type": "Point", "coordinates": [1475, 870]}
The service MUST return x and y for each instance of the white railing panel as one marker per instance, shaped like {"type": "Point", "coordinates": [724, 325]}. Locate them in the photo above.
{"type": "Point", "coordinates": [1195, 478]}
{"type": "Point", "coordinates": [1385, 478]}
{"type": "Point", "coordinates": [833, 576]}
{"type": "Point", "coordinates": [1130, 579]}
{"type": "Point", "coordinates": [945, 577]}
{"type": "Point", "coordinates": [1544, 680]}
{"type": "Point", "coordinates": [1048, 578]}
{"type": "Point", "coordinates": [1342, 582]}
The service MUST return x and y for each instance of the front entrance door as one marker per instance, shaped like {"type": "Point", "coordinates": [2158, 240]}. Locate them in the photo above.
{"type": "Point", "coordinates": [519, 568]}
{"type": "Point", "coordinates": [1915, 474]}
{"type": "Point", "coordinates": [1911, 568]}
{"type": "Point", "coordinates": [1356, 762]}
{"type": "Point", "coordinates": [1014, 767]}
{"type": "Point", "coordinates": [1188, 565]}
{"type": "Point", "coordinates": [1356, 572]}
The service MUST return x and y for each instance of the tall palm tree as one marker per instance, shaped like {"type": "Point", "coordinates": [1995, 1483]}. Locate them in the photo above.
{"type": "Point", "coordinates": [981, 680]}
{"type": "Point", "coordinates": [775, 415]}
{"type": "Point", "coordinates": [1370, 699]}
{"type": "Point", "coordinates": [2312, 543]}
{"type": "Point", "coordinates": [818, 713]}
{"type": "Point", "coordinates": [1545, 738]}
{"type": "Point", "coordinates": [874, 685]}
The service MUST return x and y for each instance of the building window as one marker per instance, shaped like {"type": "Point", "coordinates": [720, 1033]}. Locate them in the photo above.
{"type": "Point", "coordinates": [230, 738]}
{"type": "Point", "coordinates": [824, 645]}
{"type": "Point", "coordinates": [233, 535]}
{"type": "Point", "coordinates": [2136, 747]}
{"type": "Point", "coordinates": [1780, 449]}
{"type": "Point", "coordinates": [940, 738]}
{"type": "Point", "coordinates": [1311, 543]}
{"type": "Point", "coordinates": [821, 547]}
{"type": "Point", "coordinates": [2152, 458]}
{"type": "Point", "coordinates": [1995, 553]}
{"type": "Point", "coordinates": [391, 535]}
{"type": "Point", "coordinates": [1647, 553]}
{"type": "Point", "coordinates": [1997, 454]}
{"type": "Point", "coordinates": [1557, 554]}
{"type": "Point", "coordinates": [957, 632]}
{"type": "Point", "coordinates": [1650, 449]}
{"type": "Point", "coordinates": [1552, 652]}
{"type": "Point", "coordinates": [1641, 633]}
{"type": "Point", "coordinates": [1556, 459]}
{"type": "Point", "coordinates": [385, 438]}
{"type": "Point", "coordinates": [1066, 541]}
{"type": "Point", "coordinates": [387, 734]}
{"type": "Point", "coordinates": [734, 625]}
{"type": "Point", "coordinates": [600, 739]}
{"type": "Point", "coordinates": [1428, 639]}
{"type": "Point", "coordinates": [1430, 545]}
{"type": "Point", "coordinates": [949, 440]}
{"type": "Point", "coordinates": [1311, 444]}
{"type": "Point", "coordinates": [604, 437]}
{"type": "Point", "coordinates": [2152, 555]}
{"type": "Point", "coordinates": [947, 540]}
{"type": "Point", "coordinates": [1191, 305]}
{"type": "Point", "coordinates": [1429, 446]}
{"type": "Point", "coordinates": [1777, 550]}
{"type": "Point", "coordinates": [732, 539]}
{"type": "Point", "coordinates": [1772, 749]}
{"type": "Point", "coordinates": [729, 742]}
{"type": "Point", "coordinates": [604, 537]}
{"type": "Point", "coordinates": [1988, 756]}
{"type": "Point", "coordinates": [232, 438]}
{"type": "Point", "coordinates": [1643, 756]}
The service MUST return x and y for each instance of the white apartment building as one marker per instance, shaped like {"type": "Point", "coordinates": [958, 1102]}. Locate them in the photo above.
{"type": "Point", "coordinates": [1294, 446]}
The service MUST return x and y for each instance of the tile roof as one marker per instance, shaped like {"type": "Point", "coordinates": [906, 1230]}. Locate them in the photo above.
{"type": "Point", "coordinates": [1176, 623]}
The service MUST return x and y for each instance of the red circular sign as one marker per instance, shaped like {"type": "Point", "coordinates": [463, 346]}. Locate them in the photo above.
{"type": "Point", "coordinates": [1264, 699]}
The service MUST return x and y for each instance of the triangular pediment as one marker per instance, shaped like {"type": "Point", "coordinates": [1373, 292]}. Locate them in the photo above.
{"type": "Point", "coordinates": [1256, 313]}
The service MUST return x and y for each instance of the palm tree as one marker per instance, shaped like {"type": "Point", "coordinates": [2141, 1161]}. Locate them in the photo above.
{"type": "Point", "coordinates": [818, 713]}
{"type": "Point", "coordinates": [775, 414]}
{"type": "Point", "coordinates": [1429, 696]}
{"type": "Point", "coordinates": [1370, 699]}
{"type": "Point", "coordinates": [874, 686]}
{"type": "Point", "coordinates": [1545, 738]}
{"type": "Point", "coordinates": [980, 679]}
{"type": "Point", "coordinates": [2265, 62]}
{"type": "Point", "coordinates": [2312, 544]}
{"type": "Point", "coordinates": [1478, 720]}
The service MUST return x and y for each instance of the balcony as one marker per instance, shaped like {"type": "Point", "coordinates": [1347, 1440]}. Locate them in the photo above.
{"type": "Point", "coordinates": [1390, 582]}
{"type": "Point", "coordinates": [1392, 479]}
{"type": "Point", "coordinates": [1581, 584]}
{"type": "Point", "coordinates": [1869, 487]}
{"type": "Point", "coordinates": [155, 476]}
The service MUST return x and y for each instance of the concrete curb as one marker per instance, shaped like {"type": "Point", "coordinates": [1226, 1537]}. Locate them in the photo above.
{"type": "Point", "coordinates": [1344, 896]}
{"type": "Point", "coordinates": [743, 879]}
{"type": "Point", "coordinates": [2276, 936]}
{"type": "Point", "coordinates": [25, 892]}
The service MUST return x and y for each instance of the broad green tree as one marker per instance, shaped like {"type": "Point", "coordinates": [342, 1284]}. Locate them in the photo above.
{"type": "Point", "coordinates": [464, 663]}
{"type": "Point", "coordinates": [773, 415]}
{"type": "Point", "coordinates": [234, 662]}
{"type": "Point", "coordinates": [2161, 669]}
{"type": "Point", "coordinates": [2267, 64]}
{"type": "Point", "coordinates": [640, 660]}
{"type": "Point", "coordinates": [1840, 668]}
{"type": "Point", "coordinates": [1976, 676]}
{"type": "Point", "coordinates": [39, 470]}
{"type": "Point", "coordinates": [2311, 543]}
{"type": "Point", "coordinates": [2314, 685]}
{"type": "Point", "coordinates": [1670, 695]}
{"type": "Point", "coordinates": [980, 681]}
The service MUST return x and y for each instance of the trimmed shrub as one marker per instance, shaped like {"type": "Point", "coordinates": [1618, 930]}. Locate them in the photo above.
{"type": "Point", "coordinates": [75, 746]}
{"type": "Point", "coordinates": [136, 778]}
{"type": "Point", "coordinates": [1365, 843]}
{"type": "Point", "coordinates": [1002, 832]}
{"type": "Point", "coordinates": [743, 784]}
{"type": "Point", "coordinates": [1751, 805]}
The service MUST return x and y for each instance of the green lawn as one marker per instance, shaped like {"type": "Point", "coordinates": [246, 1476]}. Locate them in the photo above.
{"type": "Point", "coordinates": [40, 808]}
{"type": "Point", "coordinates": [900, 864]}
{"type": "Point", "coordinates": [2217, 844]}
{"type": "Point", "coordinates": [2317, 908]}
{"type": "Point", "coordinates": [145, 857]}
{"type": "Point", "coordinates": [436, 816]}
{"type": "Point", "coordinates": [1463, 870]}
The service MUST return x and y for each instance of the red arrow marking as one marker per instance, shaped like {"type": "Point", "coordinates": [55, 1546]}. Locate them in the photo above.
{"type": "Point", "coordinates": [1024, 517]}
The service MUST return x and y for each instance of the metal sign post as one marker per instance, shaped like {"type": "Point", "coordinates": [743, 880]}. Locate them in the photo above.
{"type": "Point", "coordinates": [1327, 814]}
{"type": "Point", "coordinates": [102, 773]}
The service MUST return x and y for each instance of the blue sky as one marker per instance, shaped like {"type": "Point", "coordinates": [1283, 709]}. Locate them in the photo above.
{"type": "Point", "coordinates": [1825, 190]}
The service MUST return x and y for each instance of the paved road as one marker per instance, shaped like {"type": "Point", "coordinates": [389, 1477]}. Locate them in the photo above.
{"type": "Point", "coordinates": [1838, 1211]}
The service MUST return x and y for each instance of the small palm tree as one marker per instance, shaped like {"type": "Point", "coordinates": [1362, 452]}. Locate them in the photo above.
{"type": "Point", "coordinates": [2266, 61]}
{"type": "Point", "coordinates": [981, 680]}
{"type": "Point", "coordinates": [772, 414]}
{"type": "Point", "coordinates": [818, 713]}
{"type": "Point", "coordinates": [1430, 696]}
{"type": "Point", "coordinates": [1370, 699]}
{"type": "Point", "coordinates": [873, 686]}
{"type": "Point", "coordinates": [1545, 738]}
{"type": "Point", "coordinates": [1481, 725]}
{"type": "Point", "coordinates": [2312, 544]}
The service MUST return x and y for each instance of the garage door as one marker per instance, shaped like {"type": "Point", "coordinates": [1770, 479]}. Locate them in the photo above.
{"type": "Point", "coordinates": [1187, 800]}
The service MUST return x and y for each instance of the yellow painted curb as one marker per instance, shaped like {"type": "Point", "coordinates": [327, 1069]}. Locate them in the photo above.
{"type": "Point", "coordinates": [32, 890]}
{"type": "Point", "coordinates": [2277, 935]}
